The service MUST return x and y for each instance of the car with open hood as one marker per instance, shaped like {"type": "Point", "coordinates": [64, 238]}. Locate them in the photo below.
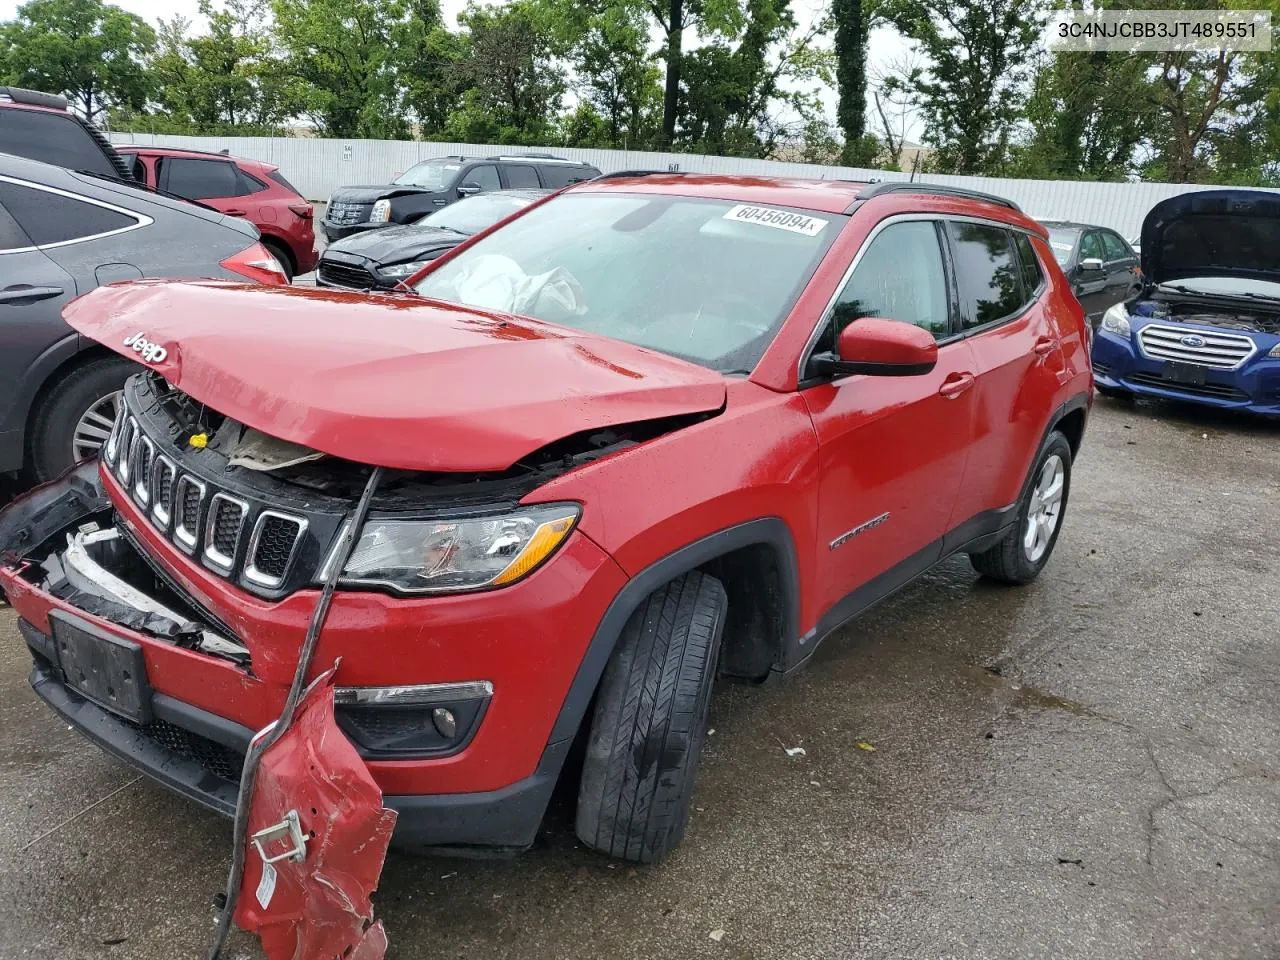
{"type": "Point", "coordinates": [382, 259]}
{"type": "Point", "coordinates": [432, 184]}
{"type": "Point", "coordinates": [654, 430]}
{"type": "Point", "coordinates": [1205, 326]}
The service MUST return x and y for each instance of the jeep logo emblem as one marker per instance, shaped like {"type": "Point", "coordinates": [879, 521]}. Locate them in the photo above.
{"type": "Point", "coordinates": [144, 348]}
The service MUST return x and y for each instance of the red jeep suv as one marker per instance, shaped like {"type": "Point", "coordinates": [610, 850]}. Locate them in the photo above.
{"type": "Point", "coordinates": [651, 430]}
{"type": "Point", "coordinates": [251, 189]}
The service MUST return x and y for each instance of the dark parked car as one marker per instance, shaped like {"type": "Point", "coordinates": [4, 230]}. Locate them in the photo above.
{"type": "Point", "coordinates": [383, 258]}
{"type": "Point", "coordinates": [1102, 267]}
{"type": "Point", "coordinates": [237, 187]}
{"type": "Point", "coordinates": [40, 127]}
{"type": "Point", "coordinates": [62, 234]}
{"type": "Point", "coordinates": [432, 184]}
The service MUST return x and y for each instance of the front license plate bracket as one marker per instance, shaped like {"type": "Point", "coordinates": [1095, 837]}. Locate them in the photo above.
{"type": "Point", "coordinates": [101, 667]}
{"type": "Point", "coordinates": [1189, 374]}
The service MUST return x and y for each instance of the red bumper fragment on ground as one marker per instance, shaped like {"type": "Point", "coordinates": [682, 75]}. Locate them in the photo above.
{"type": "Point", "coordinates": [316, 813]}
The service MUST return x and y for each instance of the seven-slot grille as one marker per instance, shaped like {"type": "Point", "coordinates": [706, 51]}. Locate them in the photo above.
{"type": "Point", "coordinates": [345, 275]}
{"type": "Point", "coordinates": [1219, 351]}
{"type": "Point", "coordinates": [346, 213]}
{"type": "Point", "coordinates": [201, 520]}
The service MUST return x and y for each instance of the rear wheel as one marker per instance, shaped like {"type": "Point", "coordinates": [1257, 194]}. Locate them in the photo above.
{"type": "Point", "coordinates": [75, 415]}
{"type": "Point", "coordinates": [277, 250]}
{"type": "Point", "coordinates": [1020, 556]}
{"type": "Point", "coordinates": [650, 720]}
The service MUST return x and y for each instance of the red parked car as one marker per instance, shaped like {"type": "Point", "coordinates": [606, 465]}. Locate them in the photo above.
{"type": "Point", "coordinates": [251, 189]}
{"type": "Point", "coordinates": [651, 430]}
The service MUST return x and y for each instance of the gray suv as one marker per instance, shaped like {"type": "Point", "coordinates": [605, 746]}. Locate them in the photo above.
{"type": "Point", "coordinates": [62, 234]}
{"type": "Point", "coordinates": [427, 186]}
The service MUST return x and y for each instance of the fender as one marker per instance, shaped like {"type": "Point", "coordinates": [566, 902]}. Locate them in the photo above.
{"type": "Point", "coordinates": [13, 426]}
{"type": "Point", "coordinates": [771, 531]}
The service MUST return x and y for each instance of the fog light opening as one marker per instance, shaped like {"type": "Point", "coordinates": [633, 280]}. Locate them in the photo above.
{"type": "Point", "coordinates": [445, 722]}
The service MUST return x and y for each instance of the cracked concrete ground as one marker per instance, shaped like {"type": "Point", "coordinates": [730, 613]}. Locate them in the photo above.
{"type": "Point", "coordinates": [1085, 768]}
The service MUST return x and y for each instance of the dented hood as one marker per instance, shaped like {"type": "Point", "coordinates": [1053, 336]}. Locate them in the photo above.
{"type": "Point", "coordinates": [395, 381]}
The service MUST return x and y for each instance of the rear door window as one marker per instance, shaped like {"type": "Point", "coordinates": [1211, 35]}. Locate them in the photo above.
{"type": "Point", "coordinates": [49, 218]}
{"type": "Point", "coordinates": [11, 235]}
{"type": "Point", "coordinates": [55, 138]}
{"type": "Point", "coordinates": [988, 274]}
{"type": "Point", "coordinates": [557, 175]}
{"type": "Point", "coordinates": [521, 177]}
{"type": "Point", "coordinates": [199, 179]}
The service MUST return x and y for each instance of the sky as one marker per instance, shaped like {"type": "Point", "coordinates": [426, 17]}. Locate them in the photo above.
{"type": "Point", "coordinates": [885, 46]}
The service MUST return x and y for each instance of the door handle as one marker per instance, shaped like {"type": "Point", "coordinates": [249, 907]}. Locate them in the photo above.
{"type": "Point", "coordinates": [955, 384]}
{"type": "Point", "coordinates": [235, 213]}
{"type": "Point", "coordinates": [25, 293]}
{"type": "Point", "coordinates": [1044, 346]}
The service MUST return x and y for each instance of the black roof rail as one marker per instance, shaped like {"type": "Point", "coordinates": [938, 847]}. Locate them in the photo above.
{"type": "Point", "coordinates": [535, 156]}
{"type": "Point", "coordinates": [33, 98]}
{"type": "Point", "coordinates": [225, 152]}
{"type": "Point", "coordinates": [938, 189]}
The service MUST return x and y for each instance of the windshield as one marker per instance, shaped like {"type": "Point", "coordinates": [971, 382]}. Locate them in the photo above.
{"type": "Point", "coordinates": [706, 280]}
{"type": "Point", "coordinates": [431, 174]}
{"type": "Point", "coordinates": [1228, 286]}
{"type": "Point", "coordinates": [1062, 242]}
{"type": "Point", "coordinates": [476, 213]}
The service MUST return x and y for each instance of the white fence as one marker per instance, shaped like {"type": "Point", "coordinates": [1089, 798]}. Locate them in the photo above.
{"type": "Point", "coordinates": [316, 167]}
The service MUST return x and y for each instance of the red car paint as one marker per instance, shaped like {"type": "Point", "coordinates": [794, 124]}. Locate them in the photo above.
{"type": "Point", "coordinates": [318, 906]}
{"type": "Point", "coordinates": [359, 377]}
{"type": "Point", "coordinates": [282, 215]}
{"type": "Point", "coordinates": [347, 392]}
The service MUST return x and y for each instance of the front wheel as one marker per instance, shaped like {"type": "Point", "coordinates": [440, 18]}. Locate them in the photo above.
{"type": "Point", "coordinates": [75, 416]}
{"type": "Point", "coordinates": [1020, 556]}
{"type": "Point", "coordinates": [650, 720]}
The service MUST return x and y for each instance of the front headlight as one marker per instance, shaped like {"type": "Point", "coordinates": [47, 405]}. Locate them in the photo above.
{"type": "Point", "coordinates": [1274, 351]}
{"type": "Point", "coordinates": [401, 270]}
{"type": "Point", "coordinates": [1116, 320]}
{"type": "Point", "coordinates": [381, 211]}
{"type": "Point", "coordinates": [456, 555]}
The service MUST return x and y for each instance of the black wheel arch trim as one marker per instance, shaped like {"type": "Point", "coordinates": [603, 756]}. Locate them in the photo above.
{"type": "Point", "coordinates": [768, 531]}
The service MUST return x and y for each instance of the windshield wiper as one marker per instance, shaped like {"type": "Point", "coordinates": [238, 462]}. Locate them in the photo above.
{"type": "Point", "coordinates": [1229, 294]}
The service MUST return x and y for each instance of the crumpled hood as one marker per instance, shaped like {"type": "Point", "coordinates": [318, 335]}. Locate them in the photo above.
{"type": "Point", "coordinates": [396, 244]}
{"type": "Point", "coordinates": [1213, 233]}
{"type": "Point", "coordinates": [368, 194]}
{"type": "Point", "coordinates": [399, 382]}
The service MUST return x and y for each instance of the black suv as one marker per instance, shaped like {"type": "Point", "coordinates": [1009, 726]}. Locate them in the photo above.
{"type": "Point", "coordinates": [39, 126]}
{"type": "Point", "coordinates": [427, 186]}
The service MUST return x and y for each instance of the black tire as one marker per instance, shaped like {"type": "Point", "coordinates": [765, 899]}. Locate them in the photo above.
{"type": "Point", "coordinates": [60, 407]}
{"type": "Point", "coordinates": [650, 720]}
{"type": "Point", "coordinates": [1010, 561]}
{"type": "Point", "coordinates": [277, 250]}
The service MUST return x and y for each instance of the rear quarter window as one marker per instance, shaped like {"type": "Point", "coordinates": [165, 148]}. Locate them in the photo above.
{"type": "Point", "coordinates": [557, 175]}
{"type": "Point", "coordinates": [1032, 275]}
{"type": "Point", "coordinates": [49, 218]}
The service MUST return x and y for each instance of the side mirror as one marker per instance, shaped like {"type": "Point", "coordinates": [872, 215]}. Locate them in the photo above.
{"type": "Point", "coordinates": [1091, 264]}
{"type": "Point", "coordinates": [875, 347]}
{"type": "Point", "coordinates": [468, 189]}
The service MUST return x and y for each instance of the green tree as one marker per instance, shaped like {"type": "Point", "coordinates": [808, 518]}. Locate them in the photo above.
{"type": "Point", "coordinates": [429, 59]}
{"type": "Point", "coordinates": [851, 27]}
{"type": "Point", "coordinates": [227, 80]}
{"type": "Point", "coordinates": [514, 86]}
{"type": "Point", "coordinates": [343, 54]}
{"type": "Point", "coordinates": [972, 91]}
{"type": "Point", "coordinates": [88, 50]}
{"type": "Point", "coordinates": [1088, 114]}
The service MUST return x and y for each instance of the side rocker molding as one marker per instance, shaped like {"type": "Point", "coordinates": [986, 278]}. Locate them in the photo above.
{"type": "Point", "coordinates": [771, 531]}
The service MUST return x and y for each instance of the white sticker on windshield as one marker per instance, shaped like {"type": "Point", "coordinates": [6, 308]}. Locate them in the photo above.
{"type": "Point", "coordinates": [1059, 245]}
{"type": "Point", "coordinates": [779, 219]}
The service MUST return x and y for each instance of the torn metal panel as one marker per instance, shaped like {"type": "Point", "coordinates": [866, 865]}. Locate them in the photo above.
{"type": "Point", "coordinates": [317, 839]}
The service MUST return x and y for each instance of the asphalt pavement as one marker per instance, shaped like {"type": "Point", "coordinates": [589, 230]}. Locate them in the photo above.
{"type": "Point", "coordinates": [1087, 767]}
